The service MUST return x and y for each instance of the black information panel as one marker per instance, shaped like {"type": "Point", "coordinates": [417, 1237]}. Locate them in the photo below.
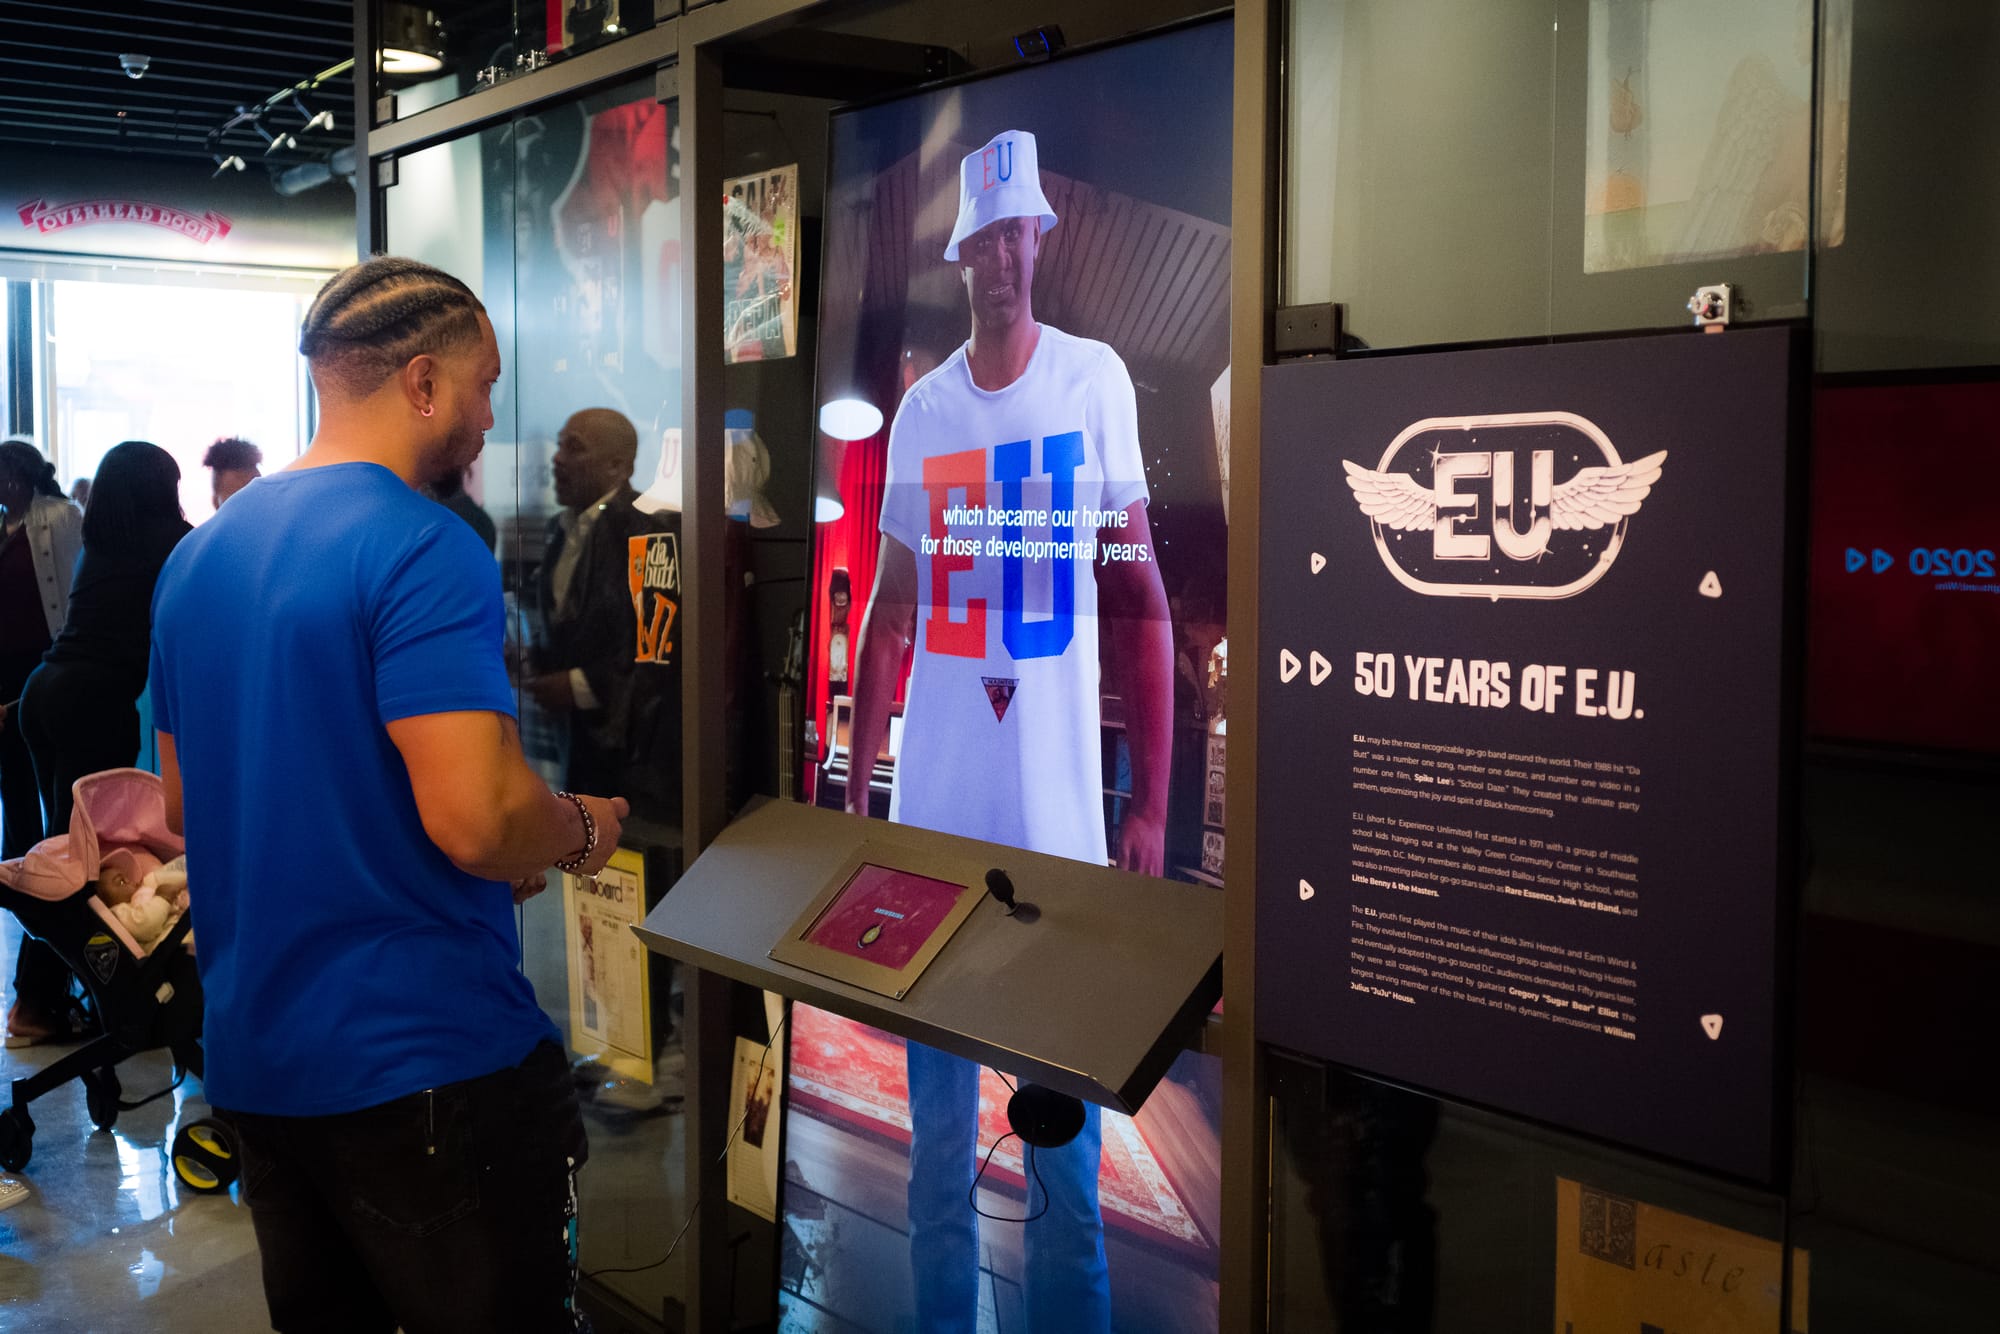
{"type": "Point", "coordinates": [1526, 803]}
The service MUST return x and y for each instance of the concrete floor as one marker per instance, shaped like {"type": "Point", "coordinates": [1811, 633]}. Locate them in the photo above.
{"type": "Point", "coordinates": [109, 1241]}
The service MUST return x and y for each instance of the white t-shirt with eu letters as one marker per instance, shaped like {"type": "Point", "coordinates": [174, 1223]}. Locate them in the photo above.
{"type": "Point", "coordinates": [1002, 497]}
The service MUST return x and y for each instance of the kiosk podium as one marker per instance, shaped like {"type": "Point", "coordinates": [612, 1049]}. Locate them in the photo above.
{"type": "Point", "coordinates": [1093, 993]}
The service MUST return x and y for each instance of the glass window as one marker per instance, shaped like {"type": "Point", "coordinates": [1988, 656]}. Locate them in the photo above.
{"type": "Point", "coordinates": [1909, 279]}
{"type": "Point", "coordinates": [1477, 170]}
{"type": "Point", "coordinates": [230, 368]}
{"type": "Point", "coordinates": [1393, 1211]}
{"type": "Point", "coordinates": [567, 224]}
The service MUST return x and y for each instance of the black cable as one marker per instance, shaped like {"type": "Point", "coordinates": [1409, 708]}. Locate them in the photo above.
{"type": "Point", "coordinates": [1008, 1082]}
{"type": "Point", "coordinates": [124, 1106]}
{"type": "Point", "coordinates": [972, 1195]}
{"type": "Point", "coordinates": [694, 1210]}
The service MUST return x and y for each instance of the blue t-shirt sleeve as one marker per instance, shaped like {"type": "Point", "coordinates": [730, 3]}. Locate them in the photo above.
{"type": "Point", "coordinates": [159, 680]}
{"type": "Point", "coordinates": [439, 630]}
{"type": "Point", "coordinates": [163, 697]}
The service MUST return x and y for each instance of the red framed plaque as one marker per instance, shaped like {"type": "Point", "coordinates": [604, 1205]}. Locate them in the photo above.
{"type": "Point", "coordinates": [880, 921]}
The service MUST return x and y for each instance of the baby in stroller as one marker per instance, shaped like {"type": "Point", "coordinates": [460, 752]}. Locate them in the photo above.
{"type": "Point", "coordinates": [110, 898]}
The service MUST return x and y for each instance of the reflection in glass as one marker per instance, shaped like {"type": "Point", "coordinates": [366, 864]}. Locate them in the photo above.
{"type": "Point", "coordinates": [599, 579]}
{"type": "Point", "coordinates": [566, 223]}
{"type": "Point", "coordinates": [1360, 1156]}
{"type": "Point", "coordinates": [597, 575]}
{"type": "Point", "coordinates": [1699, 130]}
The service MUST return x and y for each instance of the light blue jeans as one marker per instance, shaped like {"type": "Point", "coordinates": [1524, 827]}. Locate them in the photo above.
{"type": "Point", "coordinates": [1067, 1284]}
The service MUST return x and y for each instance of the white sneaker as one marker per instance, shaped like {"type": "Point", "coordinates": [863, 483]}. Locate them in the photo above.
{"type": "Point", "coordinates": [12, 1191]}
{"type": "Point", "coordinates": [640, 1099]}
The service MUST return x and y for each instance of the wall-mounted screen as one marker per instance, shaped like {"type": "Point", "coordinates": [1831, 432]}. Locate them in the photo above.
{"type": "Point", "coordinates": [1904, 592]}
{"type": "Point", "coordinates": [1019, 567]}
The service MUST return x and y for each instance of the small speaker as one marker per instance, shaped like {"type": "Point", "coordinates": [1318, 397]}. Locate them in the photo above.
{"type": "Point", "coordinates": [1043, 1117]}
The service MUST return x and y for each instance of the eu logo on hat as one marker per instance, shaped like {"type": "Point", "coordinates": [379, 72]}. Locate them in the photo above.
{"type": "Point", "coordinates": [1001, 180]}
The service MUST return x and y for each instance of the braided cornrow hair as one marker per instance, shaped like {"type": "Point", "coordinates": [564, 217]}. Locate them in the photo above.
{"type": "Point", "coordinates": [369, 321]}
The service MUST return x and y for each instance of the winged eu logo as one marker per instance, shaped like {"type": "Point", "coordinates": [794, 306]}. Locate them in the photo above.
{"type": "Point", "coordinates": [1514, 505]}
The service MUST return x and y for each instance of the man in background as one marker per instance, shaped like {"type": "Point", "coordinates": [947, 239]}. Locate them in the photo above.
{"type": "Point", "coordinates": [234, 464]}
{"type": "Point", "coordinates": [1004, 682]}
{"type": "Point", "coordinates": [608, 668]}
{"type": "Point", "coordinates": [603, 665]}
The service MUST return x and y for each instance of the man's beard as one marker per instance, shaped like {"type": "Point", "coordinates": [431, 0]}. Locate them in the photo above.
{"type": "Point", "coordinates": [452, 457]}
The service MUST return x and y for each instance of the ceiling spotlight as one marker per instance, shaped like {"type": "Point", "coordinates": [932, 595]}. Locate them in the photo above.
{"type": "Point", "coordinates": [395, 60]}
{"type": "Point", "coordinates": [135, 66]}
{"type": "Point", "coordinates": [222, 164]}
{"type": "Point", "coordinates": [412, 40]}
{"type": "Point", "coordinates": [314, 120]}
{"type": "Point", "coordinates": [282, 141]}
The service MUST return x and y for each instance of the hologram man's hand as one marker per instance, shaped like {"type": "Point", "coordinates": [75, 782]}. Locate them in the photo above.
{"type": "Point", "coordinates": [1142, 844]}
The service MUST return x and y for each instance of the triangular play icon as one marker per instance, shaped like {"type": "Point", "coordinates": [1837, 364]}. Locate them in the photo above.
{"type": "Point", "coordinates": [1321, 668]}
{"type": "Point", "coordinates": [1000, 693]}
{"type": "Point", "coordinates": [1305, 890]}
{"type": "Point", "coordinates": [1288, 665]}
{"type": "Point", "coordinates": [1318, 562]}
{"type": "Point", "coordinates": [1711, 587]}
{"type": "Point", "coordinates": [1711, 1024]}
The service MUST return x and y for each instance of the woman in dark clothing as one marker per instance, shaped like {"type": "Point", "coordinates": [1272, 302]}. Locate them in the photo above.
{"type": "Point", "coordinates": [38, 548]}
{"type": "Point", "coordinates": [79, 711]}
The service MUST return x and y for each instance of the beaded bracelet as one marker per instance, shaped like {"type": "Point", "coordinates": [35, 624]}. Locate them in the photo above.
{"type": "Point", "coordinates": [574, 863]}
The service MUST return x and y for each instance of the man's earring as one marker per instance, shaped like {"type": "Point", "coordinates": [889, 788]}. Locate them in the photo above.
{"type": "Point", "coordinates": [427, 409]}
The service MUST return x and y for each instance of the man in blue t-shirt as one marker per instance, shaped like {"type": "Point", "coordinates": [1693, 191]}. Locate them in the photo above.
{"type": "Point", "coordinates": [338, 739]}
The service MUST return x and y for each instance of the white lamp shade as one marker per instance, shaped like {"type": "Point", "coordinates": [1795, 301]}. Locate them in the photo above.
{"type": "Point", "coordinates": [850, 419]}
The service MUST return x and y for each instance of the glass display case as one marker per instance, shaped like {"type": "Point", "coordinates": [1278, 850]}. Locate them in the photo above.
{"type": "Point", "coordinates": [566, 222]}
{"type": "Point", "coordinates": [1487, 171]}
{"type": "Point", "coordinates": [427, 54]}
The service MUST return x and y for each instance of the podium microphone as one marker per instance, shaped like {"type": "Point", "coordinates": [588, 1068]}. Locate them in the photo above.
{"type": "Point", "coordinates": [1002, 889]}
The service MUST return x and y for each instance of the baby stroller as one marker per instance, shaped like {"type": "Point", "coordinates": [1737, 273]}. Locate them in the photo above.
{"type": "Point", "coordinates": [85, 893]}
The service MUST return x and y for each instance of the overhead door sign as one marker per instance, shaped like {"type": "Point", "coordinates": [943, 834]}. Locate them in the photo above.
{"type": "Point", "coordinates": [1525, 713]}
{"type": "Point", "coordinates": [46, 218]}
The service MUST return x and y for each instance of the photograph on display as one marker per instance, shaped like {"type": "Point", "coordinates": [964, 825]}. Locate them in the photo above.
{"type": "Point", "coordinates": [1699, 130]}
{"type": "Point", "coordinates": [752, 1176]}
{"type": "Point", "coordinates": [1017, 636]}
{"type": "Point", "coordinates": [609, 1005]}
{"type": "Point", "coordinates": [760, 261]}
{"type": "Point", "coordinates": [1623, 1264]}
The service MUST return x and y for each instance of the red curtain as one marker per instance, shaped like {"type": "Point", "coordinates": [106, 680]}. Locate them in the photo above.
{"type": "Point", "coordinates": [850, 542]}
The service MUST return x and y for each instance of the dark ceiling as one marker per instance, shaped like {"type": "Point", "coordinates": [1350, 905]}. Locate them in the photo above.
{"type": "Point", "coordinates": [61, 84]}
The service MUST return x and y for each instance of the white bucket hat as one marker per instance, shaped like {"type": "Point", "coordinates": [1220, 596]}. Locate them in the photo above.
{"type": "Point", "coordinates": [1001, 180]}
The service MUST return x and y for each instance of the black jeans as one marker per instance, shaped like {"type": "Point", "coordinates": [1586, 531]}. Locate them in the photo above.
{"type": "Point", "coordinates": [453, 1209]}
